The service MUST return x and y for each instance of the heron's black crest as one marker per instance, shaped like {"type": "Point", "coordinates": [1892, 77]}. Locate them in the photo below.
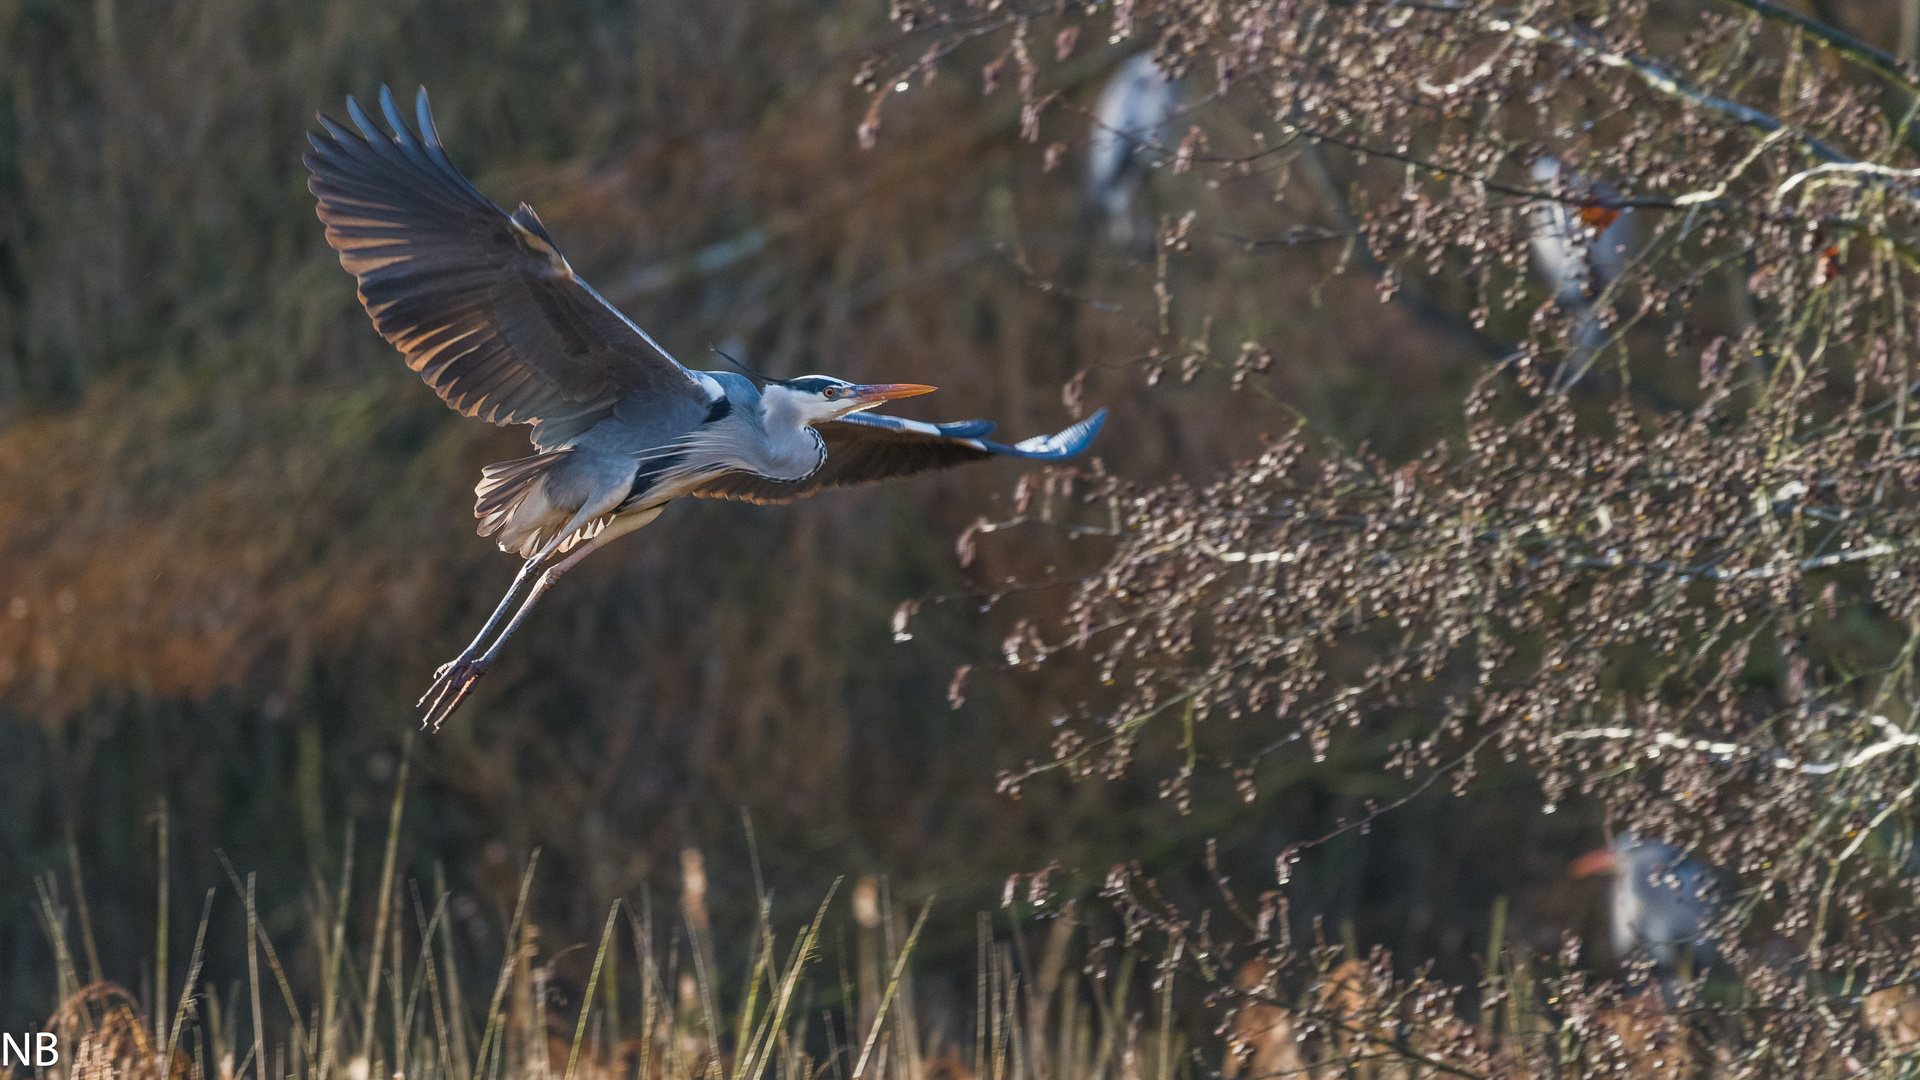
{"type": "Point", "coordinates": [752, 373]}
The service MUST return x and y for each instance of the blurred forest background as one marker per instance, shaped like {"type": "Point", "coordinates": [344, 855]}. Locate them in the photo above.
{"type": "Point", "coordinates": [235, 531]}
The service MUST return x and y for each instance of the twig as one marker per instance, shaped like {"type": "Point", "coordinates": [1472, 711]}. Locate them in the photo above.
{"type": "Point", "coordinates": [1894, 739]}
{"type": "Point", "coordinates": [1618, 562]}
{"type": "Point", "coordinates": [1856, 167]}
{"type": "Point", "coordinates": [1867, 56]}
{"type": "Point", "coordinates": [1664, 81]}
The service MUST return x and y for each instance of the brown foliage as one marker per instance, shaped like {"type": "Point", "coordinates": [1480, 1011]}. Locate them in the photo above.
{"type": "Point", "coordinates": [1261, 1042]}
{"type": "Point", "coordinates": [1645, 1040]}
{"type": "Point", "coordinates": [1894, 1015]}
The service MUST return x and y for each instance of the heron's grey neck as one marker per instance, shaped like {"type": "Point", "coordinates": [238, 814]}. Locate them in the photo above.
{"type": "Point", "coordinates": [761, 433]}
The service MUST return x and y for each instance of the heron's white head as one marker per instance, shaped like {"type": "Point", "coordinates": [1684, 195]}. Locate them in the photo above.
{"type": "Point", "coordinates": [815, 399]}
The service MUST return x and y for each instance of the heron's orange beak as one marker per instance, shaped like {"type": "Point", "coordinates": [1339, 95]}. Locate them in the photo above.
{"type": "Point", "coordinates": [874, 393]}
{"type": "Point", "coordinates": [1603, 861]}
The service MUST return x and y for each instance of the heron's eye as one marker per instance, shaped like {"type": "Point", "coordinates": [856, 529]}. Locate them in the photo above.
{"type": "Point", "coordinates": [830, 393]}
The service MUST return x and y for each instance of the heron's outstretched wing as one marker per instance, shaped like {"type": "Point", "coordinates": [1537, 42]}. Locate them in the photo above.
{"type": "Point", "coordinates": [863, 448]}
{"type": "Point", "coordinates": [480, 301]}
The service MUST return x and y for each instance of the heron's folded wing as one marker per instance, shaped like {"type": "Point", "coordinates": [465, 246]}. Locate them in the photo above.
{"type": "Point", "coordinates": [480, 301]}
{"type": "Point", "coordinates": [863, 448]}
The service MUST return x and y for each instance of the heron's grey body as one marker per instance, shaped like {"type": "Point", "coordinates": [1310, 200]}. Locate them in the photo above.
{"type": "Point", "coordinates": [637, 463]}
{"type": "Point", "coordinates": [483, 305]}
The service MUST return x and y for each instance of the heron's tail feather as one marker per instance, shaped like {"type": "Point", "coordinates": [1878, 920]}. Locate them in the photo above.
{"type": "Point", "coordinates": [585, 532]}
{"type": "Point", "coordinates": [504, 487]}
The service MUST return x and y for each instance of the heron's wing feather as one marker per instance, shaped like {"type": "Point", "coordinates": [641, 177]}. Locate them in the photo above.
{"type": "Point", "coordinates": [481, 302]}
{"type": "Point", "coordinates": [864, 447]}
{"type": "Point", "coordinates": [957, 429]}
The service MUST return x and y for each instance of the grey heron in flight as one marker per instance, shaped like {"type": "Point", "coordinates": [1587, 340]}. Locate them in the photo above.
{"type": "Point", "coordinates": [483, 305]}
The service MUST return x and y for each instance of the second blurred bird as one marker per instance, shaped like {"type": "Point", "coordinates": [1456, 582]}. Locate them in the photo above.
{"type": "Point", "coordinates": [1132, 128]}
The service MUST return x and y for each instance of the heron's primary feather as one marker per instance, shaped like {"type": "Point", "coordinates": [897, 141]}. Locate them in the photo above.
{"type": "Point", "coordinates": [481, 302]}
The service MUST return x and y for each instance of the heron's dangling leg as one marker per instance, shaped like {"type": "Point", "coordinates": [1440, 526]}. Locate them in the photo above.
{"type": "Point", "coordinates": [452, 687]}
{"type": "Point", "coordinates": [499, 612]}
{"type": "Point", "coordinates": [459, 678]}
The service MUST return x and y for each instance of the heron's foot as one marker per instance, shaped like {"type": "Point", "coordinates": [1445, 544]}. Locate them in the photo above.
{"type": "Point", "coordinates": [451, 685]}
{"type": "Point", "coordinates": [440, 678]}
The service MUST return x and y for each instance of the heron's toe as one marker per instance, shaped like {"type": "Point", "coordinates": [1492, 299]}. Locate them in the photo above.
{"type": "Point", "coordinates": [451, 685]}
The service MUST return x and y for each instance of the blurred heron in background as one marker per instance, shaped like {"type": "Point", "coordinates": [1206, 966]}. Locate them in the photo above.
{"type": "Point", "coordinates": [485, 308]}
{"type": "Point", "coordinates": [1581, 251]}
{"type": "Point", "coordinates": [1660, 904]}
{"type": "Point", "coordinates": [1132, 123]}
